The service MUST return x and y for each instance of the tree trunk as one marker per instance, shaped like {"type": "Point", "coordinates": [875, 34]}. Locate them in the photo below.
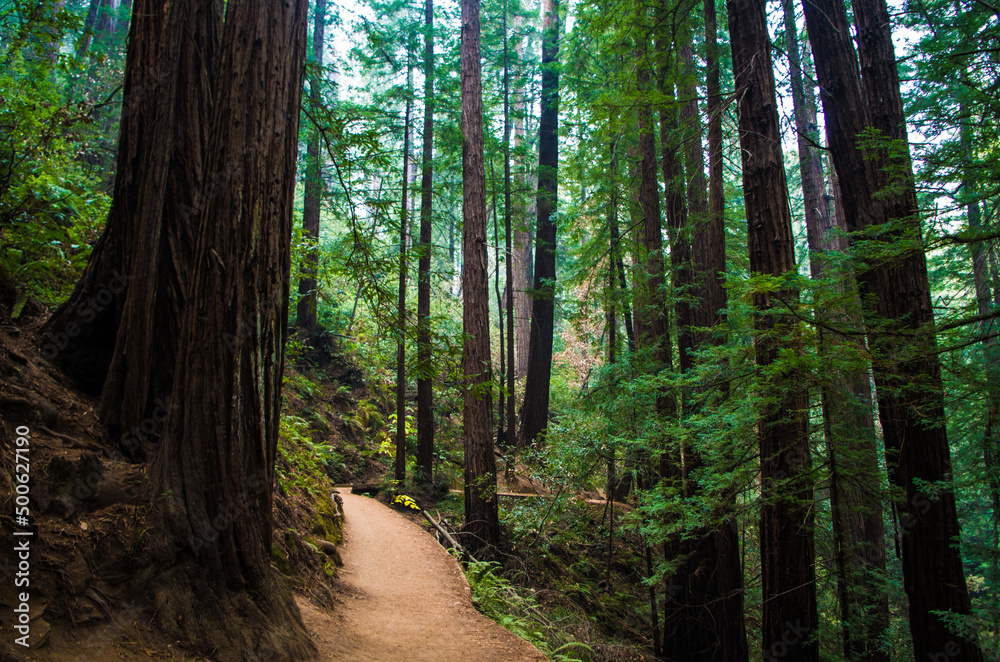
{"type": "Point", "coordinates": [212, 478]}
{"type": "Point", "coordinates": [536, 388]}
{"type": "Point", "coordinates": [705, 605]}
{"type": "Point", "coordinates": [508, 242]}
{"type": "Point", "coordinates": [901, 336]}
{"type": "Point", "coordinates": [482, 523]}
{"type": "Point", "coordinates": [118, 333]}
{"type": "Point", "coordinates": [305, 313]}
{"type": "Point", "coordinates": [400, 468]}
{"type": "Point", "coordinates": [859, 534]}
{"type": "Point", "coordinates": [425, 366]}
{"type": "Point", "coordinates": [789, 621]}
{"type": "Point", "coordinates": [522, 229]}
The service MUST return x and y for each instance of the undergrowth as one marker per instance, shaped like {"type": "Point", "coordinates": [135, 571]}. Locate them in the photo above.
{"type": "Point", "coordinates": [517, 610]}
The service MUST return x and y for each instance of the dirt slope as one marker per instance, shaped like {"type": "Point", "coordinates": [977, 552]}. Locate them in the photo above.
{"type": "Point", "coordinates": [406, 599]}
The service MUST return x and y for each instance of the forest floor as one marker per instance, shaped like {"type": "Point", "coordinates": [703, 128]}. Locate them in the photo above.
{"type": "Point", "coordinates": [405, 599]}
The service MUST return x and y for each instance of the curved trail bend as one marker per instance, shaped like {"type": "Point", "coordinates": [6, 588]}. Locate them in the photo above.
{"type": "Point", "coordinates": [406, 599]}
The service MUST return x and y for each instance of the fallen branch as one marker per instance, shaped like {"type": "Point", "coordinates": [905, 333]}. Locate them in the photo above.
{"type": "Point", "coordinates": [447, 536]}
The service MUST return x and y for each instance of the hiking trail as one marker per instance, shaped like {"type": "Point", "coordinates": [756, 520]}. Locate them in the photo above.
{"type": "Point", "coordinates": [405, 599]}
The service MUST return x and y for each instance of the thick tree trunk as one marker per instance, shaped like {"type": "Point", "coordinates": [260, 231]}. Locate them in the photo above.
{"type": "Point", "coordinates": [212, 479]}
{"type": "Point", "coordinates": [118, 332]}
{"type": "Point", "coordinates": [789, 620]}
{"type": "Point", "coordinates": [859, 534]}
{"type": "Point", "coordinates": [482, 523]}
{"type": "Point", "coordinates": [705, 607]}
{"type": "Point", "coordinates": [425, 367]}
{"type": "Point", "coordinates": [901, 337]}
{"type": "Point", "coordinates": [400, 467]}
{"type": "Point", "coordinates": [305, 313]}
{"type": "Point", "coordinates": [536, 388]}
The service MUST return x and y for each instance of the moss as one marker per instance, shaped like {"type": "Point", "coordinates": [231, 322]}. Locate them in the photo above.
{"type": "Point", "coordinates": [280, 561]}
{"type": "Point", "coordinates": [328, 521]}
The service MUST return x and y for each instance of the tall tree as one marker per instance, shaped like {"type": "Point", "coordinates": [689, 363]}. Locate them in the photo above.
{"type": "Point", "coordinates": [877, 190]}
{"type": "Point", "coordinates": [789, 620]}
{"type": "Point", "coordinates": [305, 312]}
{"type": "Point", "coordinates": [400, 468]}
{"type": "Point", "coordinates": [425, 381]}
{"type": "Point", "coordinates": [482, 522]}
{"type": "Point", "coordinates": [214, 585]}
{"type": "Point", "coordinates": [846, 397]}
{"type": "Point", "coordinates": [704, 611]}
{"type": "Point", "coordinates": [511, 369]}
{"type": "Point", "coordinates": [536, 388]}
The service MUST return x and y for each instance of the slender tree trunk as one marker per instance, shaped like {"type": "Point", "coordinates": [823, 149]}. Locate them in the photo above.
{"type": "Point", "coordinates": [508, 239]}
{"type": "Point", "coordinates": [536, 388]}
{"type": "Point", "coordinates": [859, 534]}
{"type": "Point", "coordinates": [482, 524]}
{"type": "Point", "coordinates": [425, 367]}
{"type": "Point", "coordinates": [901, 336]}
{"type": "Point", "coordinates": [305, 313]}
{"type": "Point", "coordinates": [502, 374]}
{"type": "Point", "coordinates": [522, 228]}
{"type": "Point", "coordinates": [789, 620]}
{"type": "Point", "coordinates": [212, 478]}
{"type": "Point", "coordinates": [400, 469]}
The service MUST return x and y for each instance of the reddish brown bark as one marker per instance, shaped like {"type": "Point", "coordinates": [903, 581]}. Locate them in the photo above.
{"type": "Point", "coordinates": [536, 388]}
{"type": "Point", "coordinates": [305, 312]}
{"type": "Point", "coordinates": [425, 393]}
{"type": "Point", "coordinates": [482, 524]}
{"type": "Point", "coordinates": [789, 620]}
{"type": "Point", "coordinates": [901, 336]}
{"type": "Point", "coordinates": [212, 478]}
{"type": "Point", "coordinates": [849, 425]}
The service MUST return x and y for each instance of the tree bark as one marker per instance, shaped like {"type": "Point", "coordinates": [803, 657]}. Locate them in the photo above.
{"type": "Point", "coordinates": [425, 367]}
{"type": "Point", "coordinates": [212, 478]}
{"type": "Point", "coordinates": [118, 333]}
{"type": "Point", "coordinates": [789, 620]}
{"type": "Point", "coordinates": [705, 606]}
{"type": "Point", "coordinates": [305, 313]}
{"type": "Point", "coordinates": [400, 468]}
{"type": "Point", "coordinates": [522, 232]}
{"type": "Point", "coordinates": [511, 370]}
{"type": "Point", "coordinates": [901, 322]}
{"type": "Point", "coordinates": [482, 524]}
{"type": "Point", "coordinates": [847, 406]}
{"type": "Point", "coordinates": [536, 389]}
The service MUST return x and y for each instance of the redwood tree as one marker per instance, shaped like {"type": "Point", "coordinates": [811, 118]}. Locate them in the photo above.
{"type": "Point", "coordinates": [305, 313]}
{"type": "Point", "coordinates": [212, 477]}
{"type": "Point", "coordinates": [425, 394]}
{"type": "Point", "coordinates": [536, 388]}
{"type": "Point", "coordinates": [482, 522]}
{"type": "Point", "coordinates": [879, 204]}
{"type": "Point", "coordinates": [848, 424]}
{"type": "Point", "coordinates": [789, 620]}
{"type": "Point", "coordinates": [118, 332]}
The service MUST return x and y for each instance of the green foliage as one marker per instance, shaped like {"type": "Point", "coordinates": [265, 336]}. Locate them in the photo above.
{"type": "Point", "coordinates": [51, 203]}
{"type": "Point", "coordinates": [518, 611]}
{"type": "Point", "coordinates": [304, 460]}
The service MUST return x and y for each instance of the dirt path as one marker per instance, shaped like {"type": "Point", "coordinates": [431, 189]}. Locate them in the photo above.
{"type": "Point", "coordinates": [406, 599]}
